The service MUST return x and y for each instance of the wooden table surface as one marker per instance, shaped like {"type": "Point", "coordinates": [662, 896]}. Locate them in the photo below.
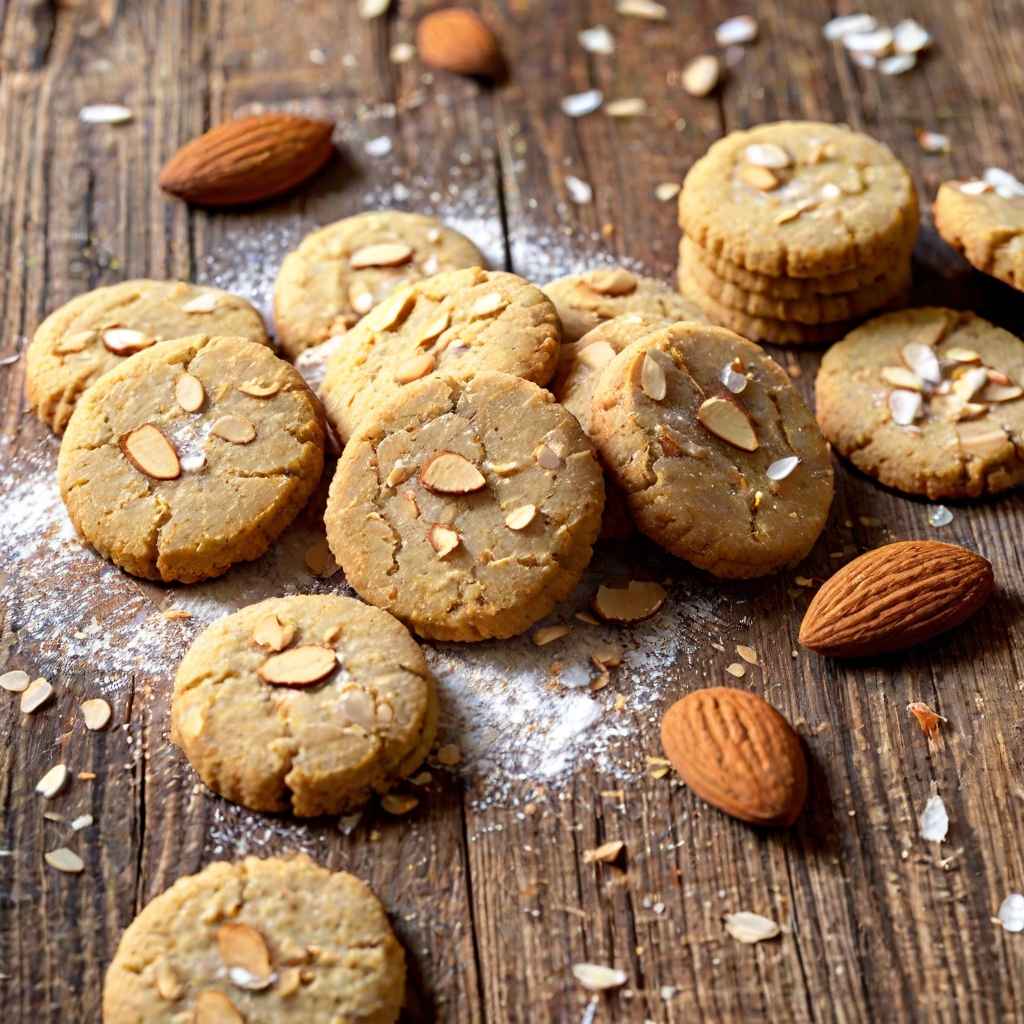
{"type": "Point", "coordinates": [494, 903]}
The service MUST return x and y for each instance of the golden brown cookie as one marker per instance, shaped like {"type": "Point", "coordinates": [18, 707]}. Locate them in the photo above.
{"type": "Point", "coordinates": [90, 335]}
{"type": "Point", "coordinates": [339, 273]}
{"type": "Point", "coordinates": [260, 942]}
{"type": "Point", "coordinates": [190, 456]}
{"type": "Point", "coordinates": [467, 509]}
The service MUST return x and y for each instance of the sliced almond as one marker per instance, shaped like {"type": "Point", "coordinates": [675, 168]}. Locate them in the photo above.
{"type": "Point", "coordinates": [962, 355]}
{"type": "Point", "coordinates": [998, 377]}
{"type": "Point", "coordinates": [616, 281]}
{"type": "Point", "coordinates": [451, 473]}
{"type": "Point", "coordinates": [628, 602]}
{"type": "Point", "coordinates": [410, 496]}
{"type": "Point", "coordinates": [125, 342]}
{"type": "Point", "coordinates": [748, 654]}
{"type": "Point", "coordinates": [74, 342]}
{"type": "Point", "coordinates": [151, 452]}
{"type": "Point", "coordinates": [597, 977]}
{"type": "Point", "coordinates": [652, 378]}
{"type": "Point", "coordinates": [301, 666]}
{"type": "Point", "coordinates": [728, 421]}
{"type": "Point", "coordinates": [596, 356]}
{"type": "Point", "coordinates": [213, 1007]}
{"type": "Point", "coordinates": [83, 820]}
{"type": "Point", "coordinates": [700, 76]}
{"type": "Point", "coordinates": [546, 458]}
{"type": "Point", "coordinates": [360, 297]}
{"type": "Point", "coordinates": [236, 429]}
{"type": "Point", "coordinates": [388, 254]}
{"type": "Point", "coordinates": [396, 803]}
{"type": "Point", "coordinates": [520, 518]}
{"type": "Point", "coordinates": [15, 682]}
{"type": "Point", "coordinates": [189, 392]}
{"type": "Point", "coordinates": [319, 559]}
{"type": "Point", "coordinates": [901, 377]}
{"type": "Point", "coordinates": [242, 946]}
{"type": "Point", "coordinates": [817, 154]}
{"type": "Point", "coordinates": [393, 311]}
{"type": "Point", "coordinates": [983, 440]}
{"type": "Point", "coordinates": [488, 305]}
{"type": "Point", "coordinates": [969, 382]}
{"type": "Point", "coordinates": [205, 303]}
{"type": "Point", "coordinates": [400, 472]}
{"type": "Point", "coordinates": [434, 327]}
{"type": "Point", "coordinates": [271, 633]}
{"type": "Point", "coordinates": [905, 406]}
{"type": "Point", "coordinates": [291, 952]}
{"type": "Point", "coordinates": [443, 539]}
{"type": "Point", "coordinates": [606, 852]}
{"type": "Point", "coordinates": [547, 634]}
{"type": "Point", "coordinates": [767, 154]}
{"type": "Point", "coordinates": [289, 982]}
{"type": "Point", "coordinates": [749, 928]}
{"type": "Point", "coordinates": [96, 713]}
{"type": "Point", "coordinates": [785, 215]}
{"type": "Point", "coordinates": [760, 178]}
{"type": "Point", "coordinates": [65, 860]}
{"type": "Point", "coordinates": [36, 694]}
{"type": "Point", "coordinates": [1000, 392]}
{"type": "Point", "coordinates": [168, 984]}
{"type": "Point", "coordinates": [921, 358]}
{"type": "Point", "coordinates": [53, 781]}
{"type": "Point", "coordinates": [414, 369]}
{"type": "Point", "coordinates": [257, 389]}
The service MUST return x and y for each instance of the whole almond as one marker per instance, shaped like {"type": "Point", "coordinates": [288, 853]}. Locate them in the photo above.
{"type": "Point", "coordinates": [247, 160]}
{"type": "Point", "coordinates": [734, 750]}
{"type": "Point", "coordinates": [896, 596]}
{"type": "Point", "coordinates": [457, 40]}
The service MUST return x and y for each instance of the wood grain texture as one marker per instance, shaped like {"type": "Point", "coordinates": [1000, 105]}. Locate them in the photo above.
{"type": "Point", "coordinates": [494, 903]}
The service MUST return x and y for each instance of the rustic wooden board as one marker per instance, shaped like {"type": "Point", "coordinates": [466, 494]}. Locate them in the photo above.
{"type": "Point", "coordinates": [492, 897]}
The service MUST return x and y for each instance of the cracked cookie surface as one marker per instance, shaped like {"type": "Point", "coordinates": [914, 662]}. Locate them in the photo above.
{"type": "Point", "coordinates": [315, 749]}
{"type": "Point", "coordinates": [928, 401]}
{"type": "Point", "coordinates": [458, 323]}
{"type": "Point", "coordinates": [196, 490]}
{"type": "Point", "coordinates": [491, 544]}
{"type": "Point", "coordinates": [339, 273]}
{"type": "Point", "coordinates": [267, 941]}
{"type": "Point", "coordinates": [68, 352]}
{"type": "Point", "coordinates": [691, 489]}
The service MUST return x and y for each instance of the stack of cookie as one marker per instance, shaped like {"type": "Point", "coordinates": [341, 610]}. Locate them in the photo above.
{"type": "Point", "coordinates": [795, 231]}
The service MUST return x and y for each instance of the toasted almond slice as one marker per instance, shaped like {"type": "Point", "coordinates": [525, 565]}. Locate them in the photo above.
{"type": "Point", "coordinates": [289, 982]}
{"type": "Point", "coordinates": [189, 392]}
{"type": "Point", "coordinates": [449, 754]}
{"type": "Point", "coordinates": [728, 421]}
{"type": "Point", "coordinates": [628, 602]}
{"type": "Point", "coordinates": [393, 311]}
{"type": "Point", "coordinates": [747, 927]}
{"type": "Point", "coordinates": [396, 803]}
{"type": "Point", "coordinates": [125, 342]}
{"type": "Point", "coordinates": [387, 254]}
{"type": "Point", "coordinates": [74, 342]}
{"type": "Point", "coordinates": [616, 281]}
{"type": "Point", "coordinates": [921, 358]}
{"type": "Point", "coordinates": [785, 215]}
{"type": "Point", "coordinates": [414, 369]}
{"type": "Point", "coordinates": [520, 518]}
{"type": "Point", "coordinates": [301, 666]}
{"type": "Point", "coordinates": [236, 429]}
{"type": "Point", "coordinates": [969, 381]}
{"type": "Point", "coordinates": [767, 154]}
{"type": "Point", "coordinates": [961, 355]}
{"type": "Point", "coordinates": [319, 559]}
{"type": "Point", "coordinates": [596, 356]}
{"type": "Point", "coordinates": [905, 406]}
{"type": "Point", "coordinates": [151, 452]}
{"type": "Point", "coordinates": [53, 781]}
{"type": "Point", "coordinates": [272, 633]}
{"type": "Point", "coordinates": [65, 860]}
{"type": "Point", "coordinates": [546, 458]}
{"type": "Point", "coordinates": [205, 303]}
{"type": "Point", "coordinates": [360, 297]}
{"type": "Point", "coordinates": [748, 654]}
{"type": "Point", "coordinates": [998, 377]}
{"type": "Point", "coordinates": [15, 682]}
{"type": "Point", "coordinates": [760, 178]}
{"type": "Point", "coordinates": [213, 1007]}
{"type": "Point", "coordinates": [96, 713]}
{"type": "Point", "coordinates": [993, 392]}
{"type": "Point", "coordinates": [242, 946]}
{"type": "Point", "coordinates": [700, 76]}
{"type": "Point", "coordinates": [598, 977]}
{"type": "Point", "coordinates": [901, 377]}
{"type": "Point", "coordinates": [451, 473]}
{"type": "Point", "coordinates": [488, 305]}
{"type": "Point", "coordinates": [435, 326]}
{"type": "Point", "coordinates": [358, 707]}
{"type": "Point", "coordinates": [443, 539]}
{"type": "Point", "coordinates": [168, 984]}
{"type": "Point", "coordinates": [606, 852]}
{"type": "Point", "coordinates": [36, 694]}
{"type": "Point", "coordinates": [546, 634]}
{"type": "Point", "coordinates": [983, 440]}
{"type": "Point", "coordinates": [400, 472]}
{"type": "Point", "coordinates": [257, 389]}
{"type": "Point", "coordinates": [652, 379]}
{"type": "Point", "coordinates": [291, 952]}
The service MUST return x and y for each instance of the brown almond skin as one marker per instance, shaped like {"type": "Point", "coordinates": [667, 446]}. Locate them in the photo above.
{"type": "Point", "coordinates": [248, 160]}
{"type": "Point", "coordinates": [734, 750]}
{"type": "Point", "coordinates": [457, 40]}
{"type": "Point", "coordinates": [894, 597]}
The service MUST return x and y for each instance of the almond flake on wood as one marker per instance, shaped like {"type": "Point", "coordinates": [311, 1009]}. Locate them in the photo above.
{"type": "Point", "coordinates": [388, 254]}
{"type": "Point", "coordinates": [414, 369]}
{"type": "Point", "coordinates": [123, 341]}
{"type": "Point", "coordinates": [760, 178]}
{"type": "Point", "coordinates": [629, 602]}
{"type": "Point", "coordinates": [449, 754]}
{"type": "Point", "coordinates": [649, 9]}
{"type": "Point", "coordinates": [597, 40]}
{"type": "Point", "coordinates": [16, 681]}
{"type": "Point", "coordinates": [667, 191]}
{"type": "Point", "coordinates": [547, 634]}
{"type": "Point", "coordinates": [38, 692]}
{"type": "Point", "coordinates": [82, 821]}
{"type": "Point", "coordinates": [700, 76]}
{"type": "Point", "coordinates": [581, 103]}
{"type": "Point", "coordinates": [236, 429]}
{"type": "Point", "coordinates": [652, 379]}
{"type": "Point", "coordinates": [53, 781]}
{"type": "Point", "coordinates": [733, 31]}
{"type": "Point", "coordinates": [168, 984]}
{"type": "Point", "coordinates": [396, 803]}
{"type": "Point", "coordinates": [451, 473]}
{"type": "Point", "coordinates": [520, 518]}
{"type": "Point", "coordinates": [736, 669]}
{"type": "Point", "coordinates": [598, 977]}
{"type": "Point", "coordinates": [257, 389]}
{"type": "Point", "coordinates": [926, 718]}
{"type": "Point", "coordinates": [301, 666]}
{"type": "Point", "coordinates": [847, 24]}
{"type": "Point", "coordinates": [242, 946]}
{"type": "Point", "coordinates": [205, 303]}
{"type": "Point", "coordinates": [189, 392]}
{"type": "Point", "coordinates": [749, 928]}
{"type": "Point", "coordinates": [910, 37]}
{"type": "Point", "coordinates": [213, 1007]}
{"type": "Point", "coordinates": [606, 852]}
{"type": "Point", "coordinates": [580, 192]}
{"type": "Point", "coordinates": [443, 539]}
{"type": "Point", "coordinates": [65, 860]}
{"type": "Point", "coordinates": [271, 633]}
{"type": "Point", "coordinates": [729, 422]}
{"type": "Point", "coordinates": [151, 452]}
{"type": "Point", "coordinates": [96, 712]}
{"type": "Point", "coordinates": [748, 654]}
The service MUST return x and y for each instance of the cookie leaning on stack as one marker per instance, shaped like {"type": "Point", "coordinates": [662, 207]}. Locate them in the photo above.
{"type": "Point", "coordinates": [794, 231]}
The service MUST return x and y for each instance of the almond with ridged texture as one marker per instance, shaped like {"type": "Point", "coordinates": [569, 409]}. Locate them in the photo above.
{"type": "Point", "coordinates": [248, 160]}
{"type": "Point", "coordinates": [457, 40]}
{"type": "Point", "coordinates": [734, 750]}
{"type": "Point", "coordinates": [894, 597]}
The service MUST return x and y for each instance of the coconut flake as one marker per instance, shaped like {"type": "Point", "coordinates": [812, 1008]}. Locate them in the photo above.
{"type": "Point", "coordinates": [597, 40]}
{"type": "Point", "coordinates": [934, 820]}
{"type": "Point", "coordinates": [581, 103]}
{"type": "Point", "coordinates": [749, 927]}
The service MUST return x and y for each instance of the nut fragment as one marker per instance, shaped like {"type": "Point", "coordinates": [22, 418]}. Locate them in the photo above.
{"type": "Point", "coordinates": [733, 377]}
{"type": "Point", "coordinates": [394, 311]}
{"type": "Point", "coordinates": [360, 297]}
{"type": "Point", "coordinates": [921, 358]}
{"type": "Point", "coordinates": [727, 420]}
{"type": "Point", "coordinates": [520, 518]}
{"type": "Point", "coordinates": [400, 472]}
{"type": "Point", "coordinates": [125, 342]}
{"type": "Point", "coordinates": [242, 946]}
{"type": "Point", "coordinates": [236, 429]}
{"type": "Point", "coordinates": [396, 803]}
{"type": "Point", "coordinates": [748, 654]}
{"type": "Point", "coordinates": [16, 681]}
{"type": "Point", "coordinates": [628, 602]}
{"type": "Point", "coordinates": [414, 369]}
{"type": "Point", "coordinates": [257, 389]}
{"type": "Point", "coordinates": [596, 356]}
{"type": "Point", "coordinates": [270, 632]}
{"type": "Point", "coordinates": [598, 977]}
{"type": "Point", "coordinates": [96, 712]}
{"type": "Point", "coordinates": [993, 392]}
{"type": "Point", "coordinates": [700, 75]}
{"type": "Point", "coordinates": [905, 406]}
{"type": "Point", "coordinates": [36, 694]}
{"type": "Point", "coordinates": [606, 852]}
{"type": "Point", "coordinates": [289, 982]}
{"type": "Point", "coordinates": [927, 719]}
{"type": "Point", "coordinates": [748, 927]}
{"type": "Point", "coordinates": [189, 392]}
{"type": "Point", "coordinates": [546, 458]}
{"type": "Point", "coordinates": [901, 377]}
{"type": "Point", "coordinates": [781, 468]}
{"type": "Point", "coordinates": [617, 281]}
{"type": "Point", "coordinates": [435, 326]}
{"type": "Point", "coordinates": [65, 860]}
{"type": "Point", "coordinates": [760, 178]}
{"type": "Point", "coordinates": [74, 342]}
{"type": "Point", "coordinates": [388, 254]}
{"type": "Point", "coordinates": [767, 154]}
{"type": "Point", "coordinates": [652, 379]}
{"type": "Point", "coordinates": [301, 666]}
{"type": "Point", "coordinates": [213, 1007]}
{"type": "Point", "coordinates": [443, 539]}
{"type": "Point", "coordinates": [733, 31]}
{"type": "Point", "coordinates": [547, 634]}
{"type": "Point", "coordinates": [168, 984]}
{"type": "Point", "coordinates": [451, 473]}
{"type": "Point", "coordinates": [205, 303]}
{"type": "Point", "coordinates": [151, 452]}
{"type": "Point", "coordinates": [449, 754]}
{"type": "Point", "coordinates": [53, 781]}
{"type": "Point", "coordinates": [488, 305]}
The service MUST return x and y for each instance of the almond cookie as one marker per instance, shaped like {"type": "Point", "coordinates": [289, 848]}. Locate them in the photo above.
{"type": "Point", "coordinates": [335, 696]}
{"type": "Point", "coordinates": [90, 335]}
{"type": "Point", "coordinates": [985, 222]}
{"type": "Point", "coordinates": [190, 456]}
{"type": "Point", "coordinates": [467, 509]}
{"type": "Point", "coordinates": [258, 942]}
{"type": "Point", "coordinates": [721, 461]}
{"type": "Point", "coordinates": [798, 199]}
{"type": "Point", "coordinates": [457, 323]}
{"type": "Point", "coordinates": [928, 401]}
{"type": "Point", "coordinates": [339, 273]}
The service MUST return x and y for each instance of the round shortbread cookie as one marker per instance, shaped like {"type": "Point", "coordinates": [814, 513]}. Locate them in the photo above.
{"type": "Point", "coordinates": [798, 199]}
{"type": "Point", "coordinates": [258, 942]}
{"type": "Point", "coordinates": [468, 509]}
{"type": "Point", "coordinates": [190, 456]}
{"type": "Point", "coordinates": [928, 401]}
{"type": "Point", "coordinates": [336, 698]}
{"type": "Point", "coordinates": [458, 323]}
{"type": "Point", "coordinates": [721, 461]}
{"type": "Point", "coordinates": [341, 272]}
{"type": "Point", "coordinates": [93, 333]}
